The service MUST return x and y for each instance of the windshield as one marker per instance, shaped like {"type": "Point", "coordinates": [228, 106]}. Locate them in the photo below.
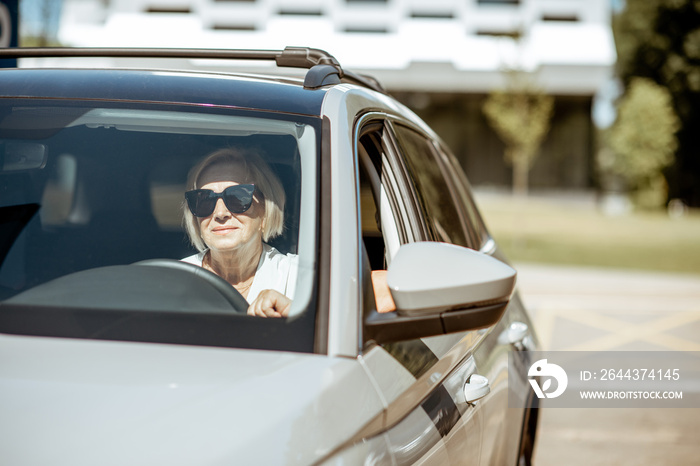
{"type": "Point", "coordinates": [93, 222]}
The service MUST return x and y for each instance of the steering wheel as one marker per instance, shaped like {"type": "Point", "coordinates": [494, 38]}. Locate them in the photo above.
{"type": "Point", "coordinates": [227, 291]}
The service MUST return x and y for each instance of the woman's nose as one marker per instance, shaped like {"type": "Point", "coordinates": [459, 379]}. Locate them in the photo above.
{"type": "Point", "coordinates": [220, 209]}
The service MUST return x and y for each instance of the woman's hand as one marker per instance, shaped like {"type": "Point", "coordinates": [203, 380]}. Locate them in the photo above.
{"type": "Point", "coordinates": [382, 295]}
{"type": "Point", "coordinates": [270, 303]}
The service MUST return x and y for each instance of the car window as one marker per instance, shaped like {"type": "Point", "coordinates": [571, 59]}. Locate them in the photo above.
{"type": "Point", "coordinates": [434, 191]}
{"type": "Point", "coordinates": [93, 188]}
{"type": "Point", "coordinates": [382, 218]}
{"type": "Point", "coordinates": [388, 218]}
{"type": "Point", "coordinates": [474, 223]}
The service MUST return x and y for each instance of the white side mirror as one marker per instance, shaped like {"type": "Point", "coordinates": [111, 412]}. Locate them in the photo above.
{"type": "Point", "coordinates": [428, 277]}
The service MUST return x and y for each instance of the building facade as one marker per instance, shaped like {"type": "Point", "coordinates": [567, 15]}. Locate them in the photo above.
{"type": "Point", "coordinates": [441, 57]}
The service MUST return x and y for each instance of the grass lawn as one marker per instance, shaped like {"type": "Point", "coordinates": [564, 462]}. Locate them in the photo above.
{"type": "Point", "coordinates": [573, 232]}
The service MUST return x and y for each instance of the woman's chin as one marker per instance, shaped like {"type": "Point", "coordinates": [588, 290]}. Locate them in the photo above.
{"type": "Point", "coordinates": [229, 245]}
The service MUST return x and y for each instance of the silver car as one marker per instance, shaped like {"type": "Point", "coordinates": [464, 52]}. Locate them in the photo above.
{"type": "Point", "coordinates": [113, 351]}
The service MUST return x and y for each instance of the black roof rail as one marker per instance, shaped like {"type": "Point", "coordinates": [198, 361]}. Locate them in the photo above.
{"type": "Point", "coordinates": [323, 67]}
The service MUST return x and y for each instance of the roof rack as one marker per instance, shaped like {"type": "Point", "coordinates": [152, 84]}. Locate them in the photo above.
{"type": "Point", "coordinates": [323, 67]}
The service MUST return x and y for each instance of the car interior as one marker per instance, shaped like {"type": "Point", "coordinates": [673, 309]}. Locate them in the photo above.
{"type": "Point", "coordinates": [99, 196]}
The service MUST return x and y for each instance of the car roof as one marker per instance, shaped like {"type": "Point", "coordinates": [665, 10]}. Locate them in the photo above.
{"type": "Point", "coordinates": [286, 95]}
{"type": "Point", "coordinates": [281, 94]}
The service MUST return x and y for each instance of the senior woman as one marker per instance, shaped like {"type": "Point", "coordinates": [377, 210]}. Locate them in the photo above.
{"type": "Point", "coordinates": [233, 206]}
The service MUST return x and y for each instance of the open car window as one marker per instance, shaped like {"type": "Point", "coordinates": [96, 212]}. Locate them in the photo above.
{"type": "Point", "coordinates": [87, 192]}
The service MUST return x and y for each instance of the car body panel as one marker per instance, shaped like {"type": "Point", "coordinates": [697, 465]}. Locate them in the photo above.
{"type": "Point", "coordinates": [79, 402]}
{"type": "Point", "coordinates": [343, 321]}
{"type": "Point", "coordinates": [502, 424]}
{"type": "Point", "coordinates": [500, 449]}
{"type": "Point", "coordinates": [342, 106]}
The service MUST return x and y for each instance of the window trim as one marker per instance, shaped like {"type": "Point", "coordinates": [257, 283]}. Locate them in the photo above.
{"type": "Point", "coordinates": [402, 194]}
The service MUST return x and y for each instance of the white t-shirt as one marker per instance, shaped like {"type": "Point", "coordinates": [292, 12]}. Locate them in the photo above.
{"type": "Point", "coordinates": [276, 271]}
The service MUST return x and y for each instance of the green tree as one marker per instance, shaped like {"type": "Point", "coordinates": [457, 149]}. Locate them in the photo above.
{"type": "Point", "coordinates": [41, 31]}
{"type": "Point", "coordinates": [643, 141]}
{"type": "Point", "coordinates": [521, 116]}
{"type": "Point", "coordinates": [660, 40]}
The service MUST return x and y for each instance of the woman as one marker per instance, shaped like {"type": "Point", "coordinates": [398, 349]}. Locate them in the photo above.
{"type": "Point", "coordinates": [234, 204]}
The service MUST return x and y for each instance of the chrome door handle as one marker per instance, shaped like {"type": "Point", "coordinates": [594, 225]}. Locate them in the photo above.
{"type": "Point", "coordinates": [515, 335]}
{"type": "Point", "coordinates": [476, 387]}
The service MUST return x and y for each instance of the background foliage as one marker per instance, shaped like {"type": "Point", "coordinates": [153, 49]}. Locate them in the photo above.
{"type": "Point", "coordinates": [642, 141]}
{"type": "Point", "coordinates": [660, 40]}
{"type": "Point", "coordinates": [521, 116]}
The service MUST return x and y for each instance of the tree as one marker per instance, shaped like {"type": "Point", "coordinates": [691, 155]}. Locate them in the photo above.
{"type": "Point", "coordinates": [40, 22]}
{"type": "Point", "coordinates": [520, 115]}
{"type": "Point", "coordinates": [660, 40]}
{"type": "Point", "coordinates": [643, 141]}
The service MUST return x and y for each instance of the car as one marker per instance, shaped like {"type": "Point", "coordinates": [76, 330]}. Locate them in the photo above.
{"type": "Point", "coordinates": [115, 351]}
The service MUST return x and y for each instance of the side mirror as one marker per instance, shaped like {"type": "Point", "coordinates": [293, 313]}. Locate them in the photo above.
{"type": "Point", "coordinates": [441, 288]}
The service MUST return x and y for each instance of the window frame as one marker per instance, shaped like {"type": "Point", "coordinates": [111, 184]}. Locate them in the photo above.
{"type": "Point", "coordinates": [401, 192]}
{"type": "Point", "coordinates": [200, 328]}
{"type": "Point", "coordinates": [420, 355]}
{"type": "Point", "coordinates": [410, 217]}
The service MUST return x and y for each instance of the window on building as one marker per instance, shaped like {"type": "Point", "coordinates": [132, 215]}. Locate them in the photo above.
{"type": "Point", "coordinates": [501, 2]}
{"type": "Point", "coordinates": [233, 27]}
{"type": "Point", "coordinates": [487, 33]}
{"type": "Point", "coordinates": [169, 9]}
{"type": "Point", "coordinates": [563, 18]}
{"type": "Point", "coordinates": [286, 12]}
{"type": "Point", "coordinates": [365, 30]}
{"type": "Point", "coordinates": [429, 15]}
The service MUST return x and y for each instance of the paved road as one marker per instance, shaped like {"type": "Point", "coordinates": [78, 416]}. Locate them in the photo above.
{"type": "Point", "coordinates": [605, 310]}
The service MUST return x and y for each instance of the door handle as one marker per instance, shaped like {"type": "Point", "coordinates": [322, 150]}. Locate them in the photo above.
{"type": "Point", "coordinates": [515, 335]}
{"type": "Point", "coordinates": [476, 387]}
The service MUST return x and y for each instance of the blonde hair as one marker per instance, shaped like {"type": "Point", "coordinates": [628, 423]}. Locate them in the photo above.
{"type": "Point", "coordinates": [256, 171]}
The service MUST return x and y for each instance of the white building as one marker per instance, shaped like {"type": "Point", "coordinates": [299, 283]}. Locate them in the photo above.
{"type": "Point", "coordinates": [427, 45]}
{"type": "Point", "coordinates": [440, 56]}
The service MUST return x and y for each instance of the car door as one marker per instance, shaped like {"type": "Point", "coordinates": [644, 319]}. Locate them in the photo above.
{"type": "Point", "coordinates": [445, 202]}
{"type": "Point", "coordinates": [510, 339]}
{"type": "Point", "coordinates": [428, 417]}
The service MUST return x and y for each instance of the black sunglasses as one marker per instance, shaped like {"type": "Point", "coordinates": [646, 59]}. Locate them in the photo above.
{"type": "Point", "coordinates": [237, 199]}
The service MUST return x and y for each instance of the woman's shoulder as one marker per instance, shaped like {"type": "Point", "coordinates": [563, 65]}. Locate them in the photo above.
{"type": "Point", "coordinates": [274, 256]}
{"type": "Point", "coordinates": [195, 259]}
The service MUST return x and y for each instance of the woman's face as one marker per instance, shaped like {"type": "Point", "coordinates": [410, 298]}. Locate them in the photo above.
{"type": "Point", "coordinates": [223, 231]}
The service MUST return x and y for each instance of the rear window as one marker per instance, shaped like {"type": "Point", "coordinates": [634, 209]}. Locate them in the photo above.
{"type": "Point", "coordinates": [88, 192]}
